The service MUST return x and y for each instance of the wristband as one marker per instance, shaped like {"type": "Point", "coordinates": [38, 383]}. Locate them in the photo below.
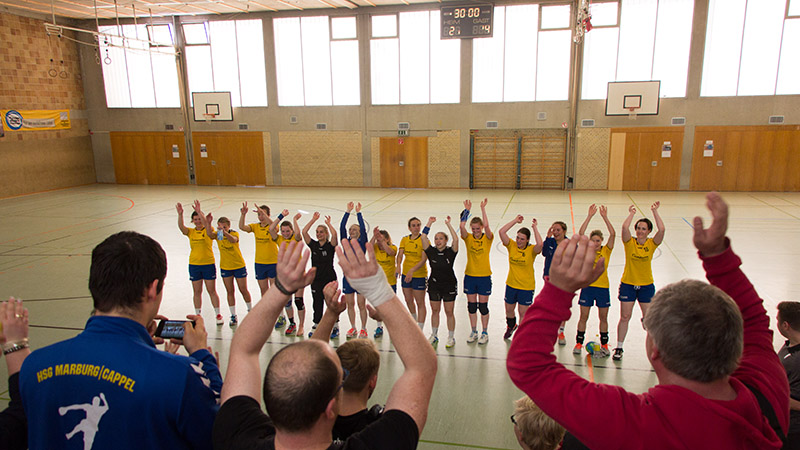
{"type": "Point", "coordinates": [281, 287]}
{"type": "Point", "coordinates": [426, 230]}
{"type": "Point", "coordinates": [11, 347]}
{"type": "Point", "coordinates": [280, 216]}
{"type": "Point", "coordinates": [464, 215]}
{"type": "Point", "coordinates": [374, 287]}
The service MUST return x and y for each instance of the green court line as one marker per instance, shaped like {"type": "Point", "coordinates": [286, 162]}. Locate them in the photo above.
{"type": "Point", "coordinates": [676, 257]}
{"type": "Point", "coordinates": [773, 206]}
{"type": "Point", "coordinates": [635, 204]}
{"type": "Point", "coordinates": [376, 201]}
{"type": "Point", "coordinates": [453, 444]}
{"type": "Point", "coordinates": [508, 204]}
{"type": "Point", "coordinates": [394, 202]}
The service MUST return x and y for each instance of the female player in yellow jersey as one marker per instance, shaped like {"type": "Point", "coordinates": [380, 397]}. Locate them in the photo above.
{"type": "Point", "coordinates": [386, 255]}
{"type": "Point", "coordinates": [287, 234]}
{"type": "Point", "coordinates": [413, 271]}
{"type": "Point", "coordinates": [597, 292]}
{"type": "Point", "coordinates": [637, 279]}
{"type": "Point", "coordinates": [442, 284]}
{"type": "Point", "coordinates": [202, 267]}
{"type": "Point", "coordinates": [520, 283]}
{"type": "Point", "coordinates": [478, 275]}
{"type": "Point", "coordinates": [266, 249]}
{"type": "Point", "coordinates": [231, 262]}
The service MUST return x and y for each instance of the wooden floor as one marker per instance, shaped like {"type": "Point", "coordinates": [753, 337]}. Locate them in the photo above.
{"type": "Point", "coordinates": [48, 237]}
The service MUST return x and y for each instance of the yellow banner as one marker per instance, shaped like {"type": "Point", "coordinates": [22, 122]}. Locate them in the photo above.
{"type": "Point", "coordinates": [35, 120]}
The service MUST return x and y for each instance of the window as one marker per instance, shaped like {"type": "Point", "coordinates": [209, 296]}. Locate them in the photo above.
{"type": "Point", "coordinates": [752, 48]}
{"type": "Point", "coordinates": [410, 64]}
{"type": "Point", "coordinates": [227, 55]}
{"type": "Point", "coordinates": [649, 41]}
{"type": "Point", "coordinates": [317, 61]}
{"type": "Point", "coordinates": [137, 74]}
{"type": "Point", "coordinates": [504, 67]}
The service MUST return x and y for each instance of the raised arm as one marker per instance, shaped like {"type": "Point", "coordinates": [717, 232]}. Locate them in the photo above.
{"type": "Point", "coordinates": [334, 300]}
{"type": "Point", "coordinates": [612, 233]}
{"type": "Point", "coordinates": [207, 220]}
{"type": "Point", "coordinates": [424, 234]}
{"type": "Point", "coordinates": [486, 228]}
{"type": "Point", "coordinates": [275, 224]}
{"type": "Point", "coordinates": [453, 234]}
{"type": "Point", "coordinates": [537, 237]}
{"type": "Point", "coordinates": [411, 392]}
{"type": "Point", "coordinates": [244, 372]}
{"type": "Point", "coordinates": [181, 226]}
{"type": "Point", "coordinates": [306, 236]}
{"type": "Point", "coordinates": [296, 217]}
{"type": "Point", "coordinates": [332, 229]}
{"type": "Point", "coordinates": [345, 218]}
{"type": "Point", "coordinates": [659, 236]}
{"type": "Point", "coordinates": [504, 229]}
{"type": "Point", "coordinates": [464, 216]}
{"type": "Point", "coordinates": [243, 226]}
{"type": "Point", "coordinates": [626, 225]}
{"type": "Point", "coordinates": [231, 238]}
{"type": "Point", "coordinates": [377, 238]}
{"type": "Point", "coordinates": [585, 224]}
{"type": "Point", "coordinates": [363, 236]}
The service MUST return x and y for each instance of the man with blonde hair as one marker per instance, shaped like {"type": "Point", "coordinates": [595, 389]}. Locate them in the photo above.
{"type": "Point", "coordinates": [534, 429]}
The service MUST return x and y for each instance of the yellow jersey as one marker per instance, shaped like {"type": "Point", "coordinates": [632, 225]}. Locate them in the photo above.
{"type": "Point", "coordinates": [638, 268]}
{"type": "Point", "coordinates": [412, 252]}
{"type": "Point", "coordinates": [387, 263]}
{"type": "Point", "coordinates": [478, 256]}
{"type": "Point", "coordinates": [602, 281]}
{"type": "Point", "coordinates": [202, 247]}
{"type": "Point", "coordinates": [230, 257]}
{"type": "Point", "coordinates": [266, 247]}
{"type": "Point", "coordinates": [520, 267]}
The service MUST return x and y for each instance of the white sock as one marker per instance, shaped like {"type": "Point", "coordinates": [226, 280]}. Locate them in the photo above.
{"type": "Point", "coordinates": [233, 309]}
{"type": "Point", "coordinates": [560, 329]}
{"type": "Point", "coordinates": [435, 331]}
{"type": "Point", "coordinates": [414, 315]}
{"type": "Point", "coordinates": [619, 344]}
{"type": "Point", "coordinates": [216, 311]}
{"type": "Point", "coordinates": [380, 324]}
{"type": "Point", "coordinates": [249, 306]}
{"type": "Point", "coordinates": [421, 325]}
{"type": "Point", "coordinates": [451, 333]}
{"type": "Point", "coordinates": [197, 311]}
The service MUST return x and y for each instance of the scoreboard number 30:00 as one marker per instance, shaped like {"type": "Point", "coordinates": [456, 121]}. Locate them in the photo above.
{"type": "Point", "coordinates": [459, 22]}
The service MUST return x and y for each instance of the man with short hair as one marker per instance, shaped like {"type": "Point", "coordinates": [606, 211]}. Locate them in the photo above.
{"type": "Point", "coordinates": [303, 381]}
{"type": "Point", "coordinates": [710, 347]}
{"type": "Point", "coordinates": [789, 327]}
{"type": "Point", "coordinates": [109, 387]}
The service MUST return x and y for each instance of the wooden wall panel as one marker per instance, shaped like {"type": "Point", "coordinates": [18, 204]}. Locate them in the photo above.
{"type": "Point", "coordinates": [706, 175]}
{"type": "Point", "coordinates": [616, 161]}
{"type": "Point", "coordinates": [494, 163]}
{"type": "Point", "coordinates": [146, 158]}
{"type": "Point", "coordinates": [643, 147]}
{"type": "Point", "coordinates": [543, 162]}
{"type": "Point", "coordinates": [729, 155]}
{"type": "Point", "coordinates": [666, 176]}
{"type": "Point", "coordinates": [391, 170]}
{"type": "Point", "coordinates": [233, 158]}
{"type": "Point", "coordinates": [413, 153]}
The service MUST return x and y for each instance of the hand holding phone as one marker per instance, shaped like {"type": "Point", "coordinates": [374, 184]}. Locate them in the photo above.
{"type": "Point", "coordinates": [171, 329]}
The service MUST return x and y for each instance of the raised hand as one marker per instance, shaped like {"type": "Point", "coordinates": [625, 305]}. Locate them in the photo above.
{"type": "Point", "coordinates": [334, 299]}
{"type": "Point", "coordinates": [711, 241]}
{"type": "Point", "coordinates": [603, 211]}
{"type": "Point", "coordinates": [209, 219]}
{"type": "Point", "coordinates": [655, 206]}
{"type": "Point", "coordinates": [349, 206]}
{"type": "Point", "coordinates": [14, 318]}
{"type": "Point", "coordinates": [354, 262]}
{"type": "Point", "coordinates": [484, 202]}
{"type": "Point", "coordinates": [631, 210]}
{"type": "Point", "coordinates": [196, 207]}
{"type": "Point", "coordinates": [431, 220]}
{"type": "Point", "coordinates": [285, 213]}
{"type": "Point", "coordinates": [573, 265]}
{"type": "Point", "coordinates": [534, 222]}
{"type": "Point", "coordinates": [327, 219]}
{"type": "Point", "coordinates": [315, 216]}
{"type": "Point", "coordinates": [179, 207]}
{"type": "Point", "coordinates": [358, 207]}
{"type": "Point", "coordinates": [376, 233]}
{"type": "Point", "coordinates": [519, 218]}
{"type": "Point", "coordinates": [592, 210]}
{"type": "Point", "coordinates": [291, 267]}
{"type": "Point", "coordinates": [468, 205]}
{"type": "Point", "coordinates": [297, 216]}
{"type": "Point", "coordinates": [243, 209]}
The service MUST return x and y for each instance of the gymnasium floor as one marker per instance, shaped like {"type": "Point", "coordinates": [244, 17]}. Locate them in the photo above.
{"type": "Point", "coordinates": [48, 237]}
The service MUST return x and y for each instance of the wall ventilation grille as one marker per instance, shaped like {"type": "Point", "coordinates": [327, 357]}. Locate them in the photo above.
{"type": "Point", "coordinates": [679, 120]}
{"type": "Point", "coordinates": [243, 126]}
{"type": "Point", "coordinates": [322, 126]}
{"type": "Point", "coordinates": [587, 123]}
{"type": "Point", "coordinates": [775, 119]}
{"type": "Point", "coordinates": [403, 126]}
{"type": "Point", "coordinates": [492, 124]}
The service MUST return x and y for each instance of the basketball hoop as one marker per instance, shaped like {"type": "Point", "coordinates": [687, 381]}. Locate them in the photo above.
{"type": "Point", "coordinates": [209, 117]}
{"type": "Point", "coordinates": [632, 112]}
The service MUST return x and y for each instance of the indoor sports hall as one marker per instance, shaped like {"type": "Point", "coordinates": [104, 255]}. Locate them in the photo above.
{"type": "Point", "coordinates": [113, 112]}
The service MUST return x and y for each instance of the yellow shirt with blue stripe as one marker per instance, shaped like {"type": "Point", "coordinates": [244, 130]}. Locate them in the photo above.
{"type": "Point", "coordinates": [387, 262]}
{"type": "Point", "coordinates": [412, 250]}
{"type": "Point", "coordinates": [478, 256]}
{"type": "Point", "coordinates": [520, 267]}
{"type": "Point", "coordinates": [230, 257]}
{"type": "Point", "coordinates": [266, 247]}
{"type": "Point", "coordinates": [202, 247]}
{"type": "Point", "coordinates": [638, 258]}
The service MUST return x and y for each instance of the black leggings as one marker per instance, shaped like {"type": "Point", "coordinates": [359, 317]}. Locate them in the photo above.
{"type": "Point", "coordinates": [319, 298]}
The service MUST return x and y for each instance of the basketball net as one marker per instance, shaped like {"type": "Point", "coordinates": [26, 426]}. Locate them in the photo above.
{"type": "Point", "coordinates": [632, 113]}
{"type": "Point", "coordinates": [209, 117]}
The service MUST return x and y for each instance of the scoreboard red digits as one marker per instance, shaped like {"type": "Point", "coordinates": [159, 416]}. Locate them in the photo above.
{"type": "Point", "coordinates": [473, 21]}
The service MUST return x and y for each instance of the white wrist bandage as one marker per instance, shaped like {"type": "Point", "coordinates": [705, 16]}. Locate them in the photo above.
{"type": "Point", "coordinates": [375, 288]}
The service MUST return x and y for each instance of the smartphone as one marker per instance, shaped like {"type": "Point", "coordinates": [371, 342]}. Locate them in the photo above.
{"type": "Point", "coordinates": [171, 329]}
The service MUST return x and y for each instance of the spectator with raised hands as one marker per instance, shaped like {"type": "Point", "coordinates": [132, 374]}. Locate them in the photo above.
{"type": "Point", "coordinates": [303, 380]}
{"type": "Point", "coordinates": [14, 339]}
{"type": "Point", "coordinates": [705, 398]}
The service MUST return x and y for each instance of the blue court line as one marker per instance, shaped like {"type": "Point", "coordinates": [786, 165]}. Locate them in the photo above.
{"type": "Point", "coordinates": [687, 223]}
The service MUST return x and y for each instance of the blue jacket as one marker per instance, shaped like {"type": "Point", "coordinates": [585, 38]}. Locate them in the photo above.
{"type": "Point", "coordinates": [362, 238]}
{"type": "Point", "coordinates": [111, 387]}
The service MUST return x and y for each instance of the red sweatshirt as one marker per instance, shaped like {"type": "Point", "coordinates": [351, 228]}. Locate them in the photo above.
{"type": "Point", "coordinates": [667, 416]}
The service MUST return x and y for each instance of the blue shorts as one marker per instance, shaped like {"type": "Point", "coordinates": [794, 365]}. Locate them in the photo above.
{"type": "Point", "coordinates": [591, 295]}
{"type": "Point", "coordinates": [238, 273]}
{"type": "Point", "coordinates": [631, 293]}
{"type": "Point", "coordinates": [264, 271]}
{"type": "Point", "coordinates": [477, 285]}
{"type": "Point", "coordinates": [346, 288]}
{"type": "Point", "coordinates": [417, 283]}
{"type": "Point", "coordinates": [202, 272]}
{"type": "Point", "coordinates": [521, 296]}
{"type": "Point", "coordinates": [394, 287]}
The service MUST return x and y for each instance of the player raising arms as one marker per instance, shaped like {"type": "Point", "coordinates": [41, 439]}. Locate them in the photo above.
{"type": "Point", "coordinates": [322, 251]}
{"type": "Point", "coordinates": [521, 282]}
{"type": "Point", "coordinates": [597, 292]}
{"type": "Point", "coordinates": [442, 284]}
{"type": "Point", "coordinates": [386, 254]}
{"type": "Point", "coordinates": [231, 262]}
{"type": "Point", "coordinates": [358, 233]}
{"type": "Point", "coordinates": [478, 274]}
{"type": "Point", "coordinates": [412, 270]}
{"type": "Point", "coordinates": [556, 234]}
{"type": "Point", "coordinates": [287, 234]}
{"type": "Point", "coordinates": [637, 279]}
{"type": "Point", "coordinates": [202, 267]}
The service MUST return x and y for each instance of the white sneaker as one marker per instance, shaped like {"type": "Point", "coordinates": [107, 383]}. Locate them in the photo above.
{"type": "Point", "coordinates": [451, 342]}
{"type": "Point", "coordinates": [433, 338]}
{"type": "Point", "coordinates": [484, 338]}
{"type": "Point", "coordinates": [220, 320]}
{"type": "Point", "coordinates": [472, 337]}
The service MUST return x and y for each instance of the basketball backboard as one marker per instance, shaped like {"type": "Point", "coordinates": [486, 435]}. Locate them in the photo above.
{"type": "Point", "coordinates": [640, 97]}
{"type": "Point", "coordinates": [208, 104]}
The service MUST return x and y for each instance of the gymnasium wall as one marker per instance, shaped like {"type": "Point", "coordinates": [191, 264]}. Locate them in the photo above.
{"type": "Point", "coordinates": [32, 161]}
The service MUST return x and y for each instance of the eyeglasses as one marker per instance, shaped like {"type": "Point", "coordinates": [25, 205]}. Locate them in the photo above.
{"type": "Point", "coordinates": [345, 373]}
{"type": "Point", "coordinates": [513, 420]}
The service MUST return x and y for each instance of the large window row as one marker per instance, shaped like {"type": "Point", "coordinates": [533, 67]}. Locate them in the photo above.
{"type": "Point", "coordinates": [750, 49]}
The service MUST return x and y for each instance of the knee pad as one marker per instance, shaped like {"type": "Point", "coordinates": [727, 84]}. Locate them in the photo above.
{"type": "Point", "coordinates": [298, 302]}
{"type": "Point", "coordinates": [472, 307]}
{"type": "Point", "coordinates": [483, 308]}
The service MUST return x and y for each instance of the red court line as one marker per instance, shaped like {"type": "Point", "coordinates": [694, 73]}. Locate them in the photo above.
{"type": "Point", "coordinates": [45, 191]}
{"type": "Point", "coordinates": [591, 369]}
{"type": "Point", "coordinates": [79, 224]}
{"type": "Point", "coordinates": [571, 212]}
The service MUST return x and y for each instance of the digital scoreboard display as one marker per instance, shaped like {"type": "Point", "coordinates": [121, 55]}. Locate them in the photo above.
{"type": "Point", "coordinates": [473, 21]}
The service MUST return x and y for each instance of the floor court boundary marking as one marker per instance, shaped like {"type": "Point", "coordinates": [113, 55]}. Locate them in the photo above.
{"type": "Point", "coordinates": [454, 444]}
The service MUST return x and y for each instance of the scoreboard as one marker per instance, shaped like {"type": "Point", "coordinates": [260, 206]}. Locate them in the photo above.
{"type": "Point", "coordinates": [460, 22]}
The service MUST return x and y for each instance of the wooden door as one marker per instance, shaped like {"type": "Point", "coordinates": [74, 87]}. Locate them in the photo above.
{"type": "Point", "coordinates": [707, 174]}
{"type": "Point", "coordinates": [231, 158]}
{"type": "Point", "coordinates": [666, 174]}
{"type": "Point", "coordinates": [404, 162]}
{"type": "Point", "coordinates": [645, 167]}
{"type": "Point", "coordinates": [141, 158]}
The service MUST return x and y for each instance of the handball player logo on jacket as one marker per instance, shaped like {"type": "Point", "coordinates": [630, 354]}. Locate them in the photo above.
{"type": "Point", "coordinates": [89, 425]}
